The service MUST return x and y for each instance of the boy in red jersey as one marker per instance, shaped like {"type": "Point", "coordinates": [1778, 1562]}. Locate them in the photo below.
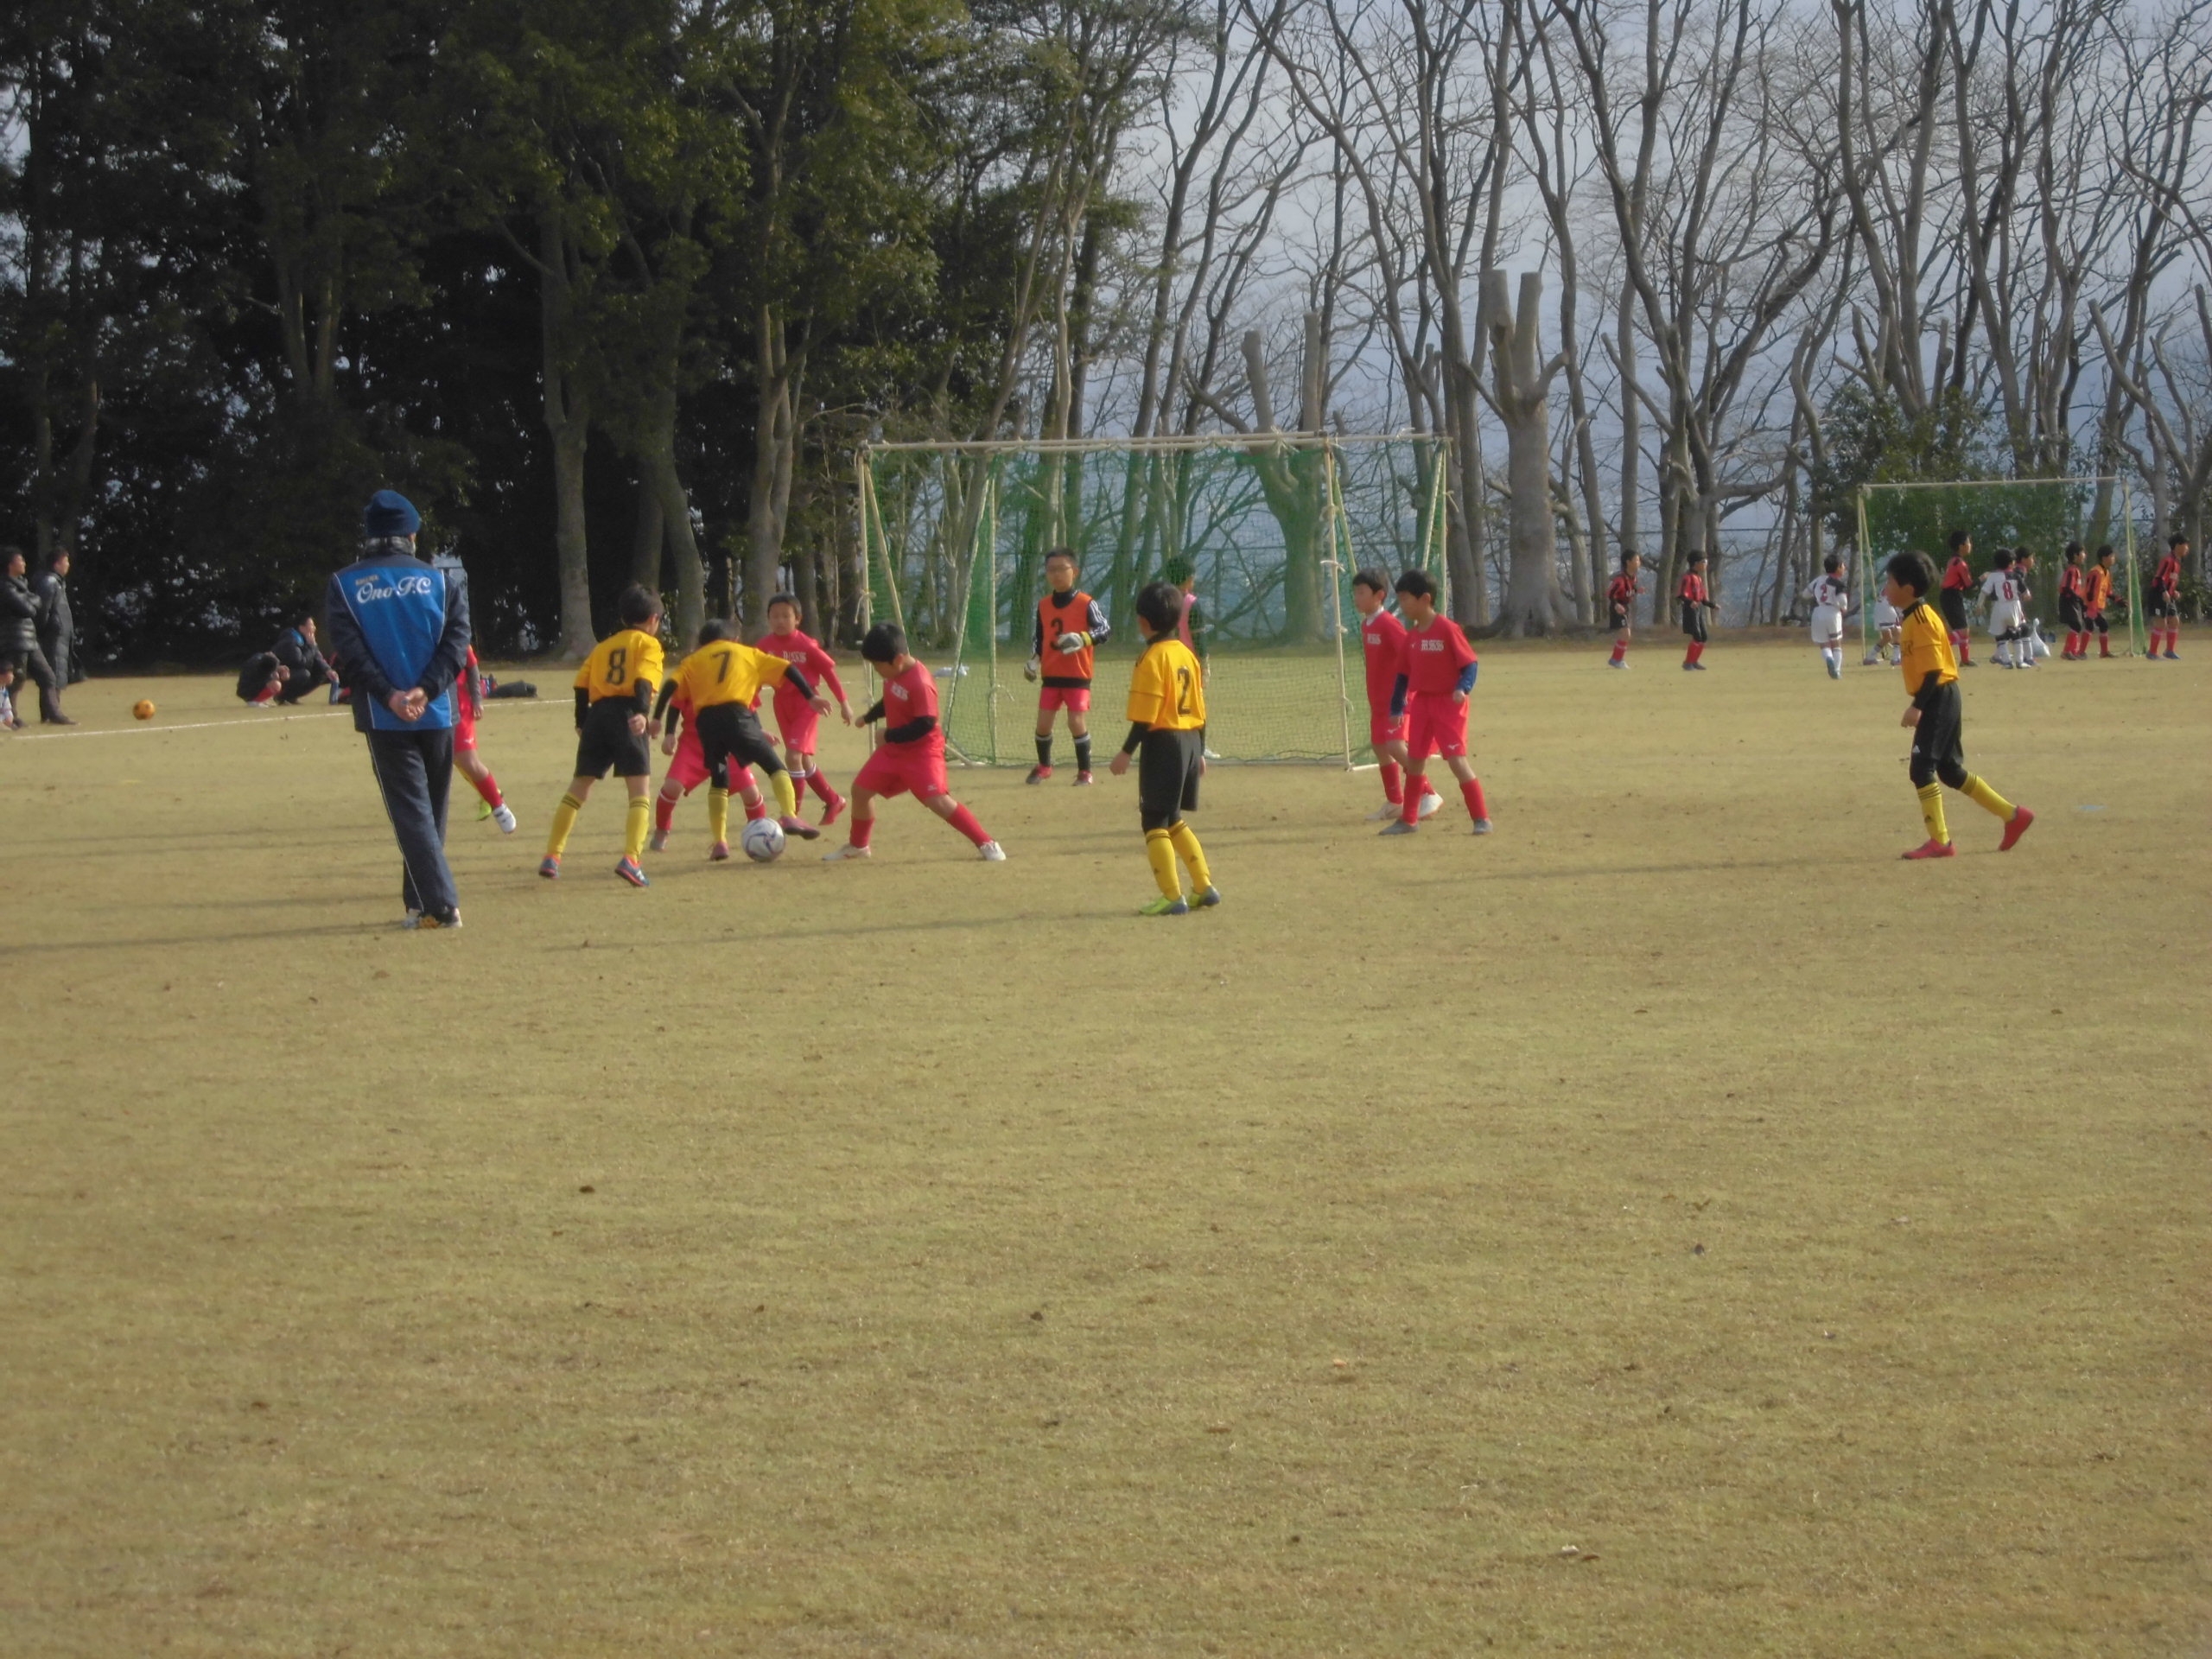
{"type": "Point", "coordinates": [2096, 595]}
{"type": "Point", "coordinates": [688, 767]}
{"type": "Point", "coordinates": [1696, 606]}
{"type": "Point", "coordinates": [1620, 600]}
{"type": "Point", "coordinates": [2073, 590]}
{"type": "Point", "coordinates": [1071, 626]}
{"type": "Point", "coordinates": [911, 756]}
{"type": "Point", "coordinates": [796, 718]}
{"type": "Point", "coordinates": [1382, 639]}
{"type": "Point", "coordinates": [1958, 584]}
{"type": "Point", "coordinates": [468, 704]}
{"type": "Point", "coordinates": [2163, 598]}
{"type": "Point", "coordinates": [1435, 674]}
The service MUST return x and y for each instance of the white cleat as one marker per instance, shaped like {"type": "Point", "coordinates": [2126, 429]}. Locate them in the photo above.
{"type": "Point", "coordinates": [991, 853]}
{"type": "Point", "coordinates": [504, 816]}
{"type": "Point", "coordinates": [845, 852]}
{"type": "Point", "coordinates": [1429, 803]}
{"type": "Point", "coordinates": [1482, 826]}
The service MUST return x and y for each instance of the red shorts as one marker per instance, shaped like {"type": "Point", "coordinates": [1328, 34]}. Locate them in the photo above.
{"type": "Point", "coordinates": [1075, 699]}
{"type": "Point", "coordinates": [894, 768]}
{"type": "Point", "coordinates": [1436, 725]}
{"type": "Point", "coordinates": [464, 723]}
{"type": "Point", "coordinates": [798, 728]}
{"type": "Point", "coordinates": [687, 768]}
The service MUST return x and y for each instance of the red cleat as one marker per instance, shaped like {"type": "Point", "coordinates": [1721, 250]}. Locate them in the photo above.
{"type": "Point", "coordinates": [2015, 827]}
{"type": "Point", "coordinates": [830, 812]}
{"type": "Point", "coordinates": [1932, 849]}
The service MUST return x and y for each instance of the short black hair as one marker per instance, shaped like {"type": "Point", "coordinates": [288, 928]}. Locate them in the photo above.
{"type": "Point", "coordinates": [1161, 605]}
{"type": "Point", "coordinates": [2104, 550]}
{"type": "Point", "coordinates": [1371, 579]}
{"type": "Point", "coordinates": [1959, 539]}
{"type": "Point", "coordinates": [1696, 556]}
{"type": "Point", "coordinates": [7, 665]}
{"type": "Point", "coordinates": [884, 643]}
{"type": "Point", "coordinates": [1177, 570]}
{"type": "Point", "coordinates": [2004, 559]}
{"type": "Point", "coordinates": [790, 599]}
{"type": "Point", "coordinates": [638, 606]}
{"type": "Point", "coordinates": [1833, 562]}
{"type": "Point", "coordinates": [2177, 540]}
{"type": "Point", "coordinates": [1911, 570]}
{"type": "Point", "coordinates": [12, 552]}
{"type": "Point", "coordinates": [1067, 553]}
{"type": "Point", "coordinates": [714, 630]}
{"type": "Point", "coordinates": [1417, 584]}
{"type": "Point", "coordinates": [1628, 553]}
{"type": "Point", "coordinates": [2073, 550]}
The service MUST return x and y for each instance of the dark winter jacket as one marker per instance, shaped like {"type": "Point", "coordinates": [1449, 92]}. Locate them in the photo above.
{"type": "Point", "coordinates": [395, 623]}
{"type": "Point", "coordinates": [18, 618]}
{"type": "Point", "coordinates": [57, 627]}
{"type": "Point", "coordinates": [307, 664]}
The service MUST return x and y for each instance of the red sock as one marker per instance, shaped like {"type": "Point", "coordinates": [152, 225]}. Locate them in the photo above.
{"type": "Point", "coordinates": [264, 694]}
{"type": "Point", "coordinates": [488, 787]}
{"type": "Point", "coordinates": [1960, 644]}
{"type": "Point", "coordinates": [1394, 783]}
{"type": "Point", "coordinates": [1471, 793]}
{"type": "Point", "coordinates": [861, 830]}
{"type": "Point", "coordinates": [2104, 645]}
{"type": "Point", "coordinates": [665, 812]}
{"type": "Point", "coordinates": [820, 786]}
{"type": "Point", "coordinates": [757, 810]}
{"type": "Point", "coordinates": [965, 822]}
{"type": "Point", "coordinates": [1697, 649]}
{"type": "Point", "coordinates": [1428, 789]}
{"type": "Point", "coordinates": [1409, 808]}
{"type": "Point", "coordinates": [1620, 649]}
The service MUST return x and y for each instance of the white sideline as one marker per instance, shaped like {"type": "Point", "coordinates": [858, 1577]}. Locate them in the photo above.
{"type": "Point", "coordinates": [243, 720]}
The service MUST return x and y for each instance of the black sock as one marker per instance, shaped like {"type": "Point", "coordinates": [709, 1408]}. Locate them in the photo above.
{"type": "Point", "coordinates": [1083, 754]}
{"type": "Point", "coordinates": [1044, 751]}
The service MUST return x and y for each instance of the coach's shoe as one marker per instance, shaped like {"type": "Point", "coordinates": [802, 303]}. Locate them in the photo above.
{"type": "Point", "coordinates": [848, 850]}
{"type": "Point", "coordinates": [832, 812]}
{"type": "Point", "coordinates": [550, 866]}
{"type": "Point", "coordinates": [414, 919]}
{"type": "Point", "coordinates": [2015, 827]}
{"type": "Point", "coordinates": [628, 870]}
{"type": "Point", "coordinates": [1207, 899]}
{"type": "Point", "coordinates": [795, 826]}
{"type": "Point", "coordinates": [719, 853]}
{"type": "Point", "coordinates": [1932, 849]}
{"type": "Point", "coordinates": [1482, 826]}
{"type": "Point", "coordinates": [1401, 828]}
{"type": "Point", "coordinates": [430, 921]}
{"type": "Point", "coordinates": [1164, 905]}
{"type": "Point", "coordinates": [504, 816]}
{"type": "Point", "coordinates": [1082, 778]}
{"type": "Point", "coordinates": [991, 853]}
{"type": "Point", "coordinates": [1037, 774]}
{"type": "Point", "coordinates": [656, 842]}
{"type": "Point", "coordinates": [1429, 803]}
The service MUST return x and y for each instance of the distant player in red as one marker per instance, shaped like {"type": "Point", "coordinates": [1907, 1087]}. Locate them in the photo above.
{"type": "Point", "coordinates": [2073, 595]}
{"type": "Point", "coordinates": [468, 704]}
{"type": "Point", "coordinates": [688, 769]}
{"type": "Point", "coordinates": [1696, 606]}
{"type": "Point", "coordinates": [2096, 595]}
{"type": "Point", "coordinates": [1071, 626]}
{"type": "Point", "coordinates": [2163, 598]}
{"type": "Point", "coordinates": [1620, 600]}
{"type": "Point", "coordinates": [795, 719]}
{"type": "Point", "coordinates": [1382, 640]}
{"type": "Point", "coordinates": [1436, 672]}
{"type": "Point", "coordinates": [1958, 587]}
{"type": "Point", "coordinates": [911, 756]}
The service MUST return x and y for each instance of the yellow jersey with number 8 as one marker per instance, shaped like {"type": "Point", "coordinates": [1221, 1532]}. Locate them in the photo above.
{"type": "Point", "coordinates": [618, 663]}
{"type": "Point", "coordinates": [1166, 688]}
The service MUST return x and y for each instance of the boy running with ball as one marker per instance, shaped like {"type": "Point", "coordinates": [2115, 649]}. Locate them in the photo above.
{"type": "Point", "coordinates": [1931, 674]}
{"type": "Point", "coordinates": [719, 682]}
{"type": "Point", "coordinates": [1435, 676]}
{"type": "Point", "coordinates": [796, 717]}
{"type": "Point", "coordinates": [1382, 641]}
{"type": "Point", "coordinates": [687, 767]}
{"type": "Point", "coordinates": [614, 695]}
{"type": "Point", "coordinates": [1071, 626]}
{"type": "Point", "coordinates": [911, 756]}
{"type": "Point", "coordinates": [1167, 718]}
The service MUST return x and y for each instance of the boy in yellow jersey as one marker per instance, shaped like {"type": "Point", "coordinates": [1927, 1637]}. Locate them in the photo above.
{"type": "Point", "coordinates": [1167, 718]}
{"type": "Point", "coordinates": [718, 682]}
{"type": "Point", "coordinates": [614, 696]}
{"type": "Point", "coordinates": [1931, 674]}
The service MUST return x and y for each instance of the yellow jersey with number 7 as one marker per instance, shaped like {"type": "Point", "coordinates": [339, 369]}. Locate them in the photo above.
{"type": "Point", "coordinates": [1166, 688]}
{"type": "Point", "coordinates": [726, 671]}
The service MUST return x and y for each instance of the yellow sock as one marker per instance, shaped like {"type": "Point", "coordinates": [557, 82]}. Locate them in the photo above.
{"type": "Point", "coordinates": [787, 797]}
{"type": "Point", "coordinates": [636, 825]}
{"type": "Point", "coordinates": [564, 820]}
{"type": "Point", "coordinates": [1979, 792]}
{"type": "Point", "coordinates": [718, 814]}
{"type": "Point", "coordinates": [1931, 813]}
{"type": "Point", "coordinates": [1160, 849]}
{"type": "Point", "coordinates": [1187, 843]}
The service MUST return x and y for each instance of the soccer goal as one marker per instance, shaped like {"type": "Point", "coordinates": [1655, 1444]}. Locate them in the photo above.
{"type": "Point", "coordinates": [1271, 528]}
{"type": "Point", "coordinates": [2043, 514]}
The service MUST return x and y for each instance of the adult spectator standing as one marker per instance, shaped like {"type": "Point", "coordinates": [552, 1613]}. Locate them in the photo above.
{"type": "Point", "coordinates": [400, 628]}
{"type": "Point", "coordinates": [57, 625]}
{"type": "Point", "coordinates": [19, 622]}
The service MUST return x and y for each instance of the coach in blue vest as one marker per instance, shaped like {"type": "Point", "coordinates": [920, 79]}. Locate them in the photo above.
{"type": "Point", "coordinates": [399, 629]}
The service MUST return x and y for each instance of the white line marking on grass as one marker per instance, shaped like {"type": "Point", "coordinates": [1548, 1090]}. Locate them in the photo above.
{"type": "Point", "coordinates": [246, 720]}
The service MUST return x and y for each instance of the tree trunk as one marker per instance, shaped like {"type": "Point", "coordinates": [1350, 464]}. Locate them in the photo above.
{"type": "Point", "coordinates": [1521, 383]}
{"type": "Point", "coordinates": [775, 440]}
{"type": "Point", "coordinates": [646, 537]}
{"type": "Point", "coordinates": [568, 422]}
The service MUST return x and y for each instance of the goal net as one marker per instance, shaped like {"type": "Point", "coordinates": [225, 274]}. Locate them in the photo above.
{"type": "Point", "coordinates": [1271, 529]}
{"type": "Point", "coordinates": [2042, 514]}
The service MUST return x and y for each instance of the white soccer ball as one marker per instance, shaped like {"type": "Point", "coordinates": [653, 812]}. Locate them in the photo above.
{"type": "Point", "coordinates": [763, 841]}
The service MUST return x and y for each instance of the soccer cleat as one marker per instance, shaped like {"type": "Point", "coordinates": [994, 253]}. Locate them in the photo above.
{"type": "Point", "coordinates": [1482, 826]}
{"type": "Point", "coordinates": [628, 870]}
{"type": "Point", "coordinates": [1387, 809]}
{"type": "Point", "coordinates": [798, 826]}
{"type": "Point", "coordinates": [483, 810]}
{"type": "Point", "coordinates": [504, 816]}
{"type": "Point", "coordinates": [1401, 828]}
{"type": "Point", "coordinates": [1207, 899]}
{"type": "Point", "coordinates": [1037, 774]}
{"type": "Point", "coordinates": [848, 850]}
{"type": "Point", "coordinates": [1615, 662]}
{"type": "Point", "coordinates": [1429, 803]}
{"type": "Point", "coordinates": [1932, 849]}
{"type": "Point", "coordinates": [991, 853]}
{"type": "Point", "coordinates": [2171, 657]}
{"type": "Point", "coordinates": [550, 866]}
{"type": "Point", "coordinates": [1164, 905]}
{"type": "Point", "coordinates": [1868, 661]}
{"type": "Point", "coordinates": [1082, 778]}
{"type": "Point", "coordinates": [2015, 827]}
{"type": "Point", "coordinates": [719, 853]}
{"type": "Point", "coordinates": [1836, 670]}
{"type": "Point", "coordinates": [656, 842]}
{"type": "Point", "coordinates": [832, 812]}
{"type": "Point", "coordinates": [1696, 667]}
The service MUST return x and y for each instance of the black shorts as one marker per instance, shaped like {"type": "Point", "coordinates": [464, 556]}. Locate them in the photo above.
{"type": "Point", "coordinates": [2073, 615]}
{"type": "Point", "coordinates": [731, 729]}
{"type": "Point", "coordinates": [2097, 623]}
{"type": "Point", "coordinates": [1620, 620]}
{"type": "Point", "coordinates": [606, 741]}
{"type": "Point", "coordinates": [2167, 605]}
{"type": "Point", "coordinates": [1693, 620]}
{"type": "Point", "coordinates": [1167, 777]}
{"type": "Point", "coordinates": [1952, 602]}
{"type": "Point", "coordinates": [1937, 747]}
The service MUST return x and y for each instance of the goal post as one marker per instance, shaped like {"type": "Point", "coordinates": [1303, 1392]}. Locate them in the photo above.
{"type": "Point", "coordinates": [1269, 527]}
{"type": "Point", "coordinates": [2043, 514]}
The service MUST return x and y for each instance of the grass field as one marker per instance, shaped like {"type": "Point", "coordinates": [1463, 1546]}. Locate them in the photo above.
{"type": "Point", "coordinates": [1669, 1226]}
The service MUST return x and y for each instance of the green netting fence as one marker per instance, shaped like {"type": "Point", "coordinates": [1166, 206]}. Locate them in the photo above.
{"type": "Point", "coordinates": [1271, 529]}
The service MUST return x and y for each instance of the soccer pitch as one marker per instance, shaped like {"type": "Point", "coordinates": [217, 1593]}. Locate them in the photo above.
{"type": "Point", "coordinates": [1670, 1225]}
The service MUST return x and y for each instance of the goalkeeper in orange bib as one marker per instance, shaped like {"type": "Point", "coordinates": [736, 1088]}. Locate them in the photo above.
{"type": "Point", "coordinates": [1071, 626]}
{"type": "Point", "coordinates": [1167, 719]}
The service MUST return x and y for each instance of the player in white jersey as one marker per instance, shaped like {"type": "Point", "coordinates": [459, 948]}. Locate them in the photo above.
{"type": "Point", "coordinates": [1830, 596]}
{"type": "Point", "coordinates": [2007, 616]}
{"type": "Point", "coordinates": [1888, 634]}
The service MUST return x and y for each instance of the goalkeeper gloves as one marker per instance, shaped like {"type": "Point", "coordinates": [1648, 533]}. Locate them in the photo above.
{"type": "Point", "coordinates": [1029, 669]}
{"type": "Point", "coordinates": [1069, 643]}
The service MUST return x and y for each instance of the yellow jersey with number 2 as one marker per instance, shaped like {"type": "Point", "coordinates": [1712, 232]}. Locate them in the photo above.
{"type": "Point", "coordinates": [1167, 690]}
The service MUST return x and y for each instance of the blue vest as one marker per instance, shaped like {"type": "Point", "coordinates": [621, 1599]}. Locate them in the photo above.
{"type": "Point", "coordinates": [400, 606]}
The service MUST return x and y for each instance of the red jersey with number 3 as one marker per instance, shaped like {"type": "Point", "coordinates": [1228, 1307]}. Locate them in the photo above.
{"type": "Point", "coordinates": [1434, 657]}
{"type": "Point", "coordinates": [1382, 638]}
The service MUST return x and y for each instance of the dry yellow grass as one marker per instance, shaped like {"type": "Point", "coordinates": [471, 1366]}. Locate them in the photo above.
{"type": "Point", "coordinates": [1670, 1226]}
